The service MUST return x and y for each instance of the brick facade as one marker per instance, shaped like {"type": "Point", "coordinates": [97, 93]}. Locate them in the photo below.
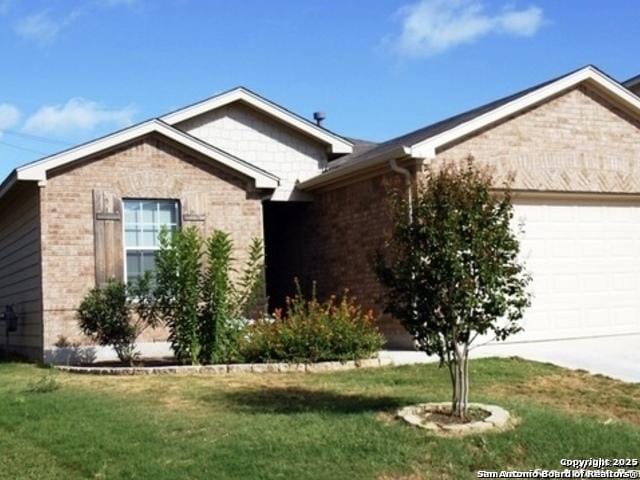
{"type": "Point", "coordinates": [345, 227]}
{"type": "Point", "coordinates": [574, 142]}
{"type": "Point", "coordinates": [150, 168]}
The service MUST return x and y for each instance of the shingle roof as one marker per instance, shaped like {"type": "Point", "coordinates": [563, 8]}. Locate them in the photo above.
{"type": "Point", "coordinates": [630, 82]}
{"type": "Point", "coordinates": [361, 146]}
{"type": "Point", "coordinates": [436, 128]}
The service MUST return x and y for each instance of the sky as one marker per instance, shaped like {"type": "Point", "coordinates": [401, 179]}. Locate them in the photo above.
{"type": "Point", "coordinates": [71, 71]}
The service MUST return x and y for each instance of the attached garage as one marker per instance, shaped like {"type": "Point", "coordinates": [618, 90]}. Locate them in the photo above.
{"type": "Point", "coordinates": [570, 149]}
{"type": "Point", "coordinates": [584, 257]}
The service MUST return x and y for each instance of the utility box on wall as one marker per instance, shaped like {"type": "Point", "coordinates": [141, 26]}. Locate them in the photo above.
{"type": "Point", "coordinates": [8, 320]}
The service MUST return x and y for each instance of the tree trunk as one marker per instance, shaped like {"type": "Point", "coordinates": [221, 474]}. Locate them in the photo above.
{"type": "Point", "coordinates": [460, 367]}
{"type": "Point", "coordinates": [452, 375]}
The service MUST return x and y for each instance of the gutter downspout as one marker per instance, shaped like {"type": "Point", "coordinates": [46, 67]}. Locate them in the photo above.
{"type": "Point", "coordinates": [407, 175]}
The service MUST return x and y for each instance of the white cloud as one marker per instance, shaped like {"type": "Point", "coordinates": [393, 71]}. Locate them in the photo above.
{"type": "Point", "coordinates": [9, 116]}
{"type": "Point", "coordinates": [41, 27]}
{"type": "Point", "coordinates": [430, 27]}
{"type": "Point", "coordinates": [78, 114]}
{"type": "Point", "coordinates": [524, 23]}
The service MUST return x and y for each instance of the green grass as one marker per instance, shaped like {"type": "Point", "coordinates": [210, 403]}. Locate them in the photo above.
{"type": "Point", "coordinates": [320, 426]}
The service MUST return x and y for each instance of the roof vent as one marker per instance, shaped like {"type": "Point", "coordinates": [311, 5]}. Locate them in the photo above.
{"type": "Point", "coordinates": [319, 117]}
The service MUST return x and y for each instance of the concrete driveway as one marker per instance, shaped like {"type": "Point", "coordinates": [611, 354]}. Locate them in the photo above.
{"type": "Point", "coordinates": [614, 356]}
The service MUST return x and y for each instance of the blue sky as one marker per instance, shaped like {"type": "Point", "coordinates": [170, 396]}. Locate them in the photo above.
{"type": "Point", "coordinates": [71, 71]}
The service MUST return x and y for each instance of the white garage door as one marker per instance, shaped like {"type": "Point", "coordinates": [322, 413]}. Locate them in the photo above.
{"type": "Point", "coordinates": [585, 261]}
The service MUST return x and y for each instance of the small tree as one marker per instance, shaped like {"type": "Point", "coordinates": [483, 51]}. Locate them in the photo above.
{"type": "Point", "coordinates": [197, 297]}
{"type": "Point", "coordinates": [116, 314]}
{"type": "Point", "coordinates": [249, 292]}
{"type": "Point", "coordinates": [451, 270]}
{"type": "Point", "coordinates": [217, 301]}
{"type": "Point", "coordinates": [178, 270]}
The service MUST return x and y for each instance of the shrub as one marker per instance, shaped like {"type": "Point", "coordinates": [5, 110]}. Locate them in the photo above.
{"type": "Point", "coordinates": [311, 331]}
{"type": "Point", "coordinates": [249, 293]}
{"type": "Point", "coordinates": [115, 315]}
{"type": "Point", "coordinates": [215, 330]}
{"type": "Point", "coordinates": [197, 298]}
{"type": "Point", "coordinates": [178, 273]}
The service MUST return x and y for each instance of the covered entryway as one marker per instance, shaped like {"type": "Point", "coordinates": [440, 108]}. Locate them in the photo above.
{"type": "Point", "coordinates": [584, 256]}
{"type": "Point", "coordinates": [284, 224]}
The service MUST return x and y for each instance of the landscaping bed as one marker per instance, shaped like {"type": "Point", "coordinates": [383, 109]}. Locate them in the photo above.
{"type": "Point", "coordinates": [437, 417]}
{"type": "Point", "coordinates": [165, 367]}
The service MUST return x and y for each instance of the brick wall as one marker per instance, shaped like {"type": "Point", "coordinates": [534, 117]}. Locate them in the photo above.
{"type": "Point", "coordinates": [345, 227]}
{"type": "Point", "coordinates": [576, 142]}
{"type": "Point", "coordinates": [20, 268]}
{"type": "Point", "coordinates": [150, 168]}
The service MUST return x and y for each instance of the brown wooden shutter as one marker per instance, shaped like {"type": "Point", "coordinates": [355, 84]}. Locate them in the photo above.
{"type": "Point", "coordinates": [107, 224]}
{"type": "Point", "coordinates": [193, 208]}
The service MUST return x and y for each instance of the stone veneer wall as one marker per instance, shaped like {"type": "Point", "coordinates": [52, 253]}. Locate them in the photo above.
{"type": "Point", "coordinates": [255, 137]}
{"type": "Point", "coordinates": [149, 168]}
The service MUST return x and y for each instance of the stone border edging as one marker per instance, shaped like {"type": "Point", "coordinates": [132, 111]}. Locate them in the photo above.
{"type": "Point", "coordinates": [231, 368]}
{"type": "Point", "coordinates": [498, 419]}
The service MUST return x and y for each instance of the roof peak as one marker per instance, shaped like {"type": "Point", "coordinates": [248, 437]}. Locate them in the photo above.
{"type": "Point", "coordinates": [423, 142]}
{"type": "Point", "coordinates": [337, 143]}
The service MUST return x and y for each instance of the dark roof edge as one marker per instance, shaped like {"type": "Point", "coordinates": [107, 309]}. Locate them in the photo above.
{"type": "Point", "coordinates": [631, 82]}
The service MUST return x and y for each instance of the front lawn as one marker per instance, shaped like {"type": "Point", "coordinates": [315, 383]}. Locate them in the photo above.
{"type": "Point", "coordinates": [297, 426]}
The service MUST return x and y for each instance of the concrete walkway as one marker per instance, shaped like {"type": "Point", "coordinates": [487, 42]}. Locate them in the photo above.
{"type": "Point", "coordinates": [614, 356]}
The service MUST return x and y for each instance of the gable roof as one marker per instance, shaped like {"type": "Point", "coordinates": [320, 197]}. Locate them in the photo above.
{"type": "Point", "coordinates": [164, 125]}
{"type": "Point", "coordinates": [37, 171]}
{"type": "Point", "coordinates": [337, 144]}
{"type": "Point", "coordinates": [424, 142]}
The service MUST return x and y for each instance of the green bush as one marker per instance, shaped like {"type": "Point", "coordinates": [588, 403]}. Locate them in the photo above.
{"type": "Point", "coordinates": [249, 292]}
{"type": "Point", "coordinates": [201, 305]}
{"type": "Point", "coordinates": [217, 343]}
{"type": "Point", "coordinates": [312, 331]}
{"type": "Point", "coordinates": [116, 314]}
{"type": "Point", "coordinates": [178, 275]}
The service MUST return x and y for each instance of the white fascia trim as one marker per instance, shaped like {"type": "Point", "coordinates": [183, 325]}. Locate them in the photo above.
{"type": "Point", "coordinates": [262, 178]}
{"type": "Point", "coordinates": [428, 147]}
{"type": "Point", "coordinates": [338, 173]}
{"type": "Point", "coordinates": [38, 171]}
{"type": "Point", "coordinates": [338, 145]}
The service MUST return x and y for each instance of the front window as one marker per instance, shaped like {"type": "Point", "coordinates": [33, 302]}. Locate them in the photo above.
{"type": "Point", "coordinates": [143, 220]}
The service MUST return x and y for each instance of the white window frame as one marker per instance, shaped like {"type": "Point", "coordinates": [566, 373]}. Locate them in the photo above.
{"type": "Point", "coordinates": [154, 248]}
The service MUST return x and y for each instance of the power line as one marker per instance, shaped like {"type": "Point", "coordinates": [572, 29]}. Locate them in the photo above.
{"type": "Point", "coordinates": [37, 137]}
{"type": "Point", "coordinates": [22, 148]}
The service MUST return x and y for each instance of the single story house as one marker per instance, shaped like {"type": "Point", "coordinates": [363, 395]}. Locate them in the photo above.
{"type": "Point", "coordinates": [241, 163]}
